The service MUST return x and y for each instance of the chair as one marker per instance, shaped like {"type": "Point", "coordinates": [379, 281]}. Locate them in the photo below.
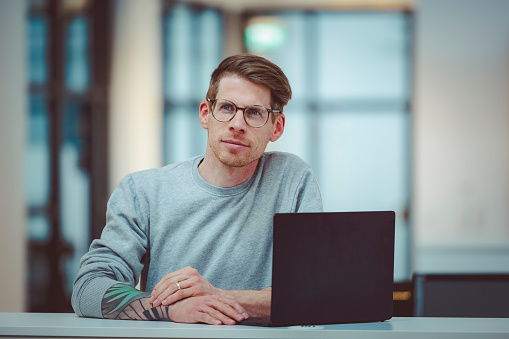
{"type": "Point", "coordinates": [461, 295]}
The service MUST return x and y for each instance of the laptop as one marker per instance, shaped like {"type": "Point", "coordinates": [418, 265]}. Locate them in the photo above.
{"type": "Point", "coordinates": [331, 268]}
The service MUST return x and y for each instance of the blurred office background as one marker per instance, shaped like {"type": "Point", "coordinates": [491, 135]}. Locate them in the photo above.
{"type": "Point", "coordinates": [398, 105]}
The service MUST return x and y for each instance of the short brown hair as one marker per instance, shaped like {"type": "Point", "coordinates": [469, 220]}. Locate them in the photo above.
{"type": "Point", "coordinates": [255, 69]}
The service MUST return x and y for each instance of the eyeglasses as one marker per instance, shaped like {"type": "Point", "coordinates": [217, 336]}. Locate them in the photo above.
{"type": "Point", "coordinates": [255, 116]}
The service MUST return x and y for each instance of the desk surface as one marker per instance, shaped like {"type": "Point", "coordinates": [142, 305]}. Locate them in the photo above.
{"type": "Point", "coordinates": [68, 325]}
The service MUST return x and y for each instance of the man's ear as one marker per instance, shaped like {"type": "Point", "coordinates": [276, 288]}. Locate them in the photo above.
{"type": "Point", "coordinates": [278, 127]}
{"type": "Point", "coordinates": [204, 114]}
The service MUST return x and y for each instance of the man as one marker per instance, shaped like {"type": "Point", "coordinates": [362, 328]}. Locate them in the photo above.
{"type": "Point", "coordinates": [199, 232]}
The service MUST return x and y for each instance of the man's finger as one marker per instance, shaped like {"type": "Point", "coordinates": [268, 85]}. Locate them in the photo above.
{"type": "Point", "coordinates": [176, 296]}
{"type": "Point", "coordinates": [164, 295]}
{"type": "Point", "coordinates": [188, 290]}
{"type": "Point", "coordinates": [174, 277]}
{"type": "Point", "coordinates": [224, 319]}
{"type": "Point", "coordinates": [173, 294]}
{"type": "Point", "coordinates": [238, 308]}
{"type": "Point", "coordinates": [171, 278]}
{"type": "Point", "coordinates": [233, 304]}
{"type": "Point", "coordinates": [168, 284]}
{"type": "Point", "coordinates": [207, 319]}
{"type": "Point", "coordinates": [228, 307]}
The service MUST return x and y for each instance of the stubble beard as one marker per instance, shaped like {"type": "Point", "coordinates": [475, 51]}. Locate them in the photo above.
{"type": "Point", "coordinates": [231, 158]}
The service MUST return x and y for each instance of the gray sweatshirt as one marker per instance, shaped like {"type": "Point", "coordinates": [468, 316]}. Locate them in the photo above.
{"type": "Point", "coordinates": [161, 220]}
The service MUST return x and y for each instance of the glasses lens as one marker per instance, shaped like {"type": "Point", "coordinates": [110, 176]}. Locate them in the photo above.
{"type": "Point", "coordinates": [256, 116]}
{"type": "Point", "coordinates": [224, 110]}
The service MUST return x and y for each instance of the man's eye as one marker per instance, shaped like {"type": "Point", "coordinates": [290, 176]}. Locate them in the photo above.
{"type": "Point", "coordinates": [254, 112]}
{"type": "Point", "coordinates": [227, 107]}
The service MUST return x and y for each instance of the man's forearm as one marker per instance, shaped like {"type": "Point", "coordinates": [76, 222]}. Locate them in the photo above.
{"type": "Point", "coordinates": [125, 302]}
{"type": "Point", "coordinates": [256, 302]}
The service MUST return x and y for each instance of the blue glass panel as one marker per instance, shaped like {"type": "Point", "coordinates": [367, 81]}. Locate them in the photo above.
{"type": "Point", "coordinates": [74, 187]}
{"type": "Point", "coordinates": [178, 49]}
{"type": "Point", "coordinates": [184, 136]}
{"type": "Point", "coordinates": [210, 43]}
{"type": "Point", "coordinates": [364, 156]}
{"type": "Point", "coordinates": [362, 55]}
{"type": "Point", "coordinates": [291, 57]}
{"type": "Point", "coordinates": [37, 166]}
{"type": "Point", "coordinates": [192, 49]}
{"type": "Point", "coordinates": [77, 68]}
{"type": "Point", "coordinates": [297, 136]}
{"type": "Point", "coordinates": [361, 158]}
{"type": "Point", "coordinates": [37, 49]}
{"type": "Point", "coordinates": [364, 167]}
{"type": "Point", "coordinates": [38, 228]}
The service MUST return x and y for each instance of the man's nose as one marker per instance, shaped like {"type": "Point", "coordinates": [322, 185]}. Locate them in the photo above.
{"type": "Point", "coordinates": [238, 123]}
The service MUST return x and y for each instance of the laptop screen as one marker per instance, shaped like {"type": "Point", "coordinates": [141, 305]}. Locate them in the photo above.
{"type": "Point", "coordinates": [332, 267]}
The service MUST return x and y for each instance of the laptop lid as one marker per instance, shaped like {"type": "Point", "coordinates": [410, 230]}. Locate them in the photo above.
{"type": "Point", "coordinates": [332, 268]}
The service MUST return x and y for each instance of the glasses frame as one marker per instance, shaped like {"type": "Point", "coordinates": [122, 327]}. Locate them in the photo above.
{"type": "Point", "coordinates": [243, 109]}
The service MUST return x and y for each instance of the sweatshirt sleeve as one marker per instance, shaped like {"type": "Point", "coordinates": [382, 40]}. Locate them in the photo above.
{"type": "Point", "coordinates": [117, 256]}
{"type": "Point", "coordinates": [308, 197]}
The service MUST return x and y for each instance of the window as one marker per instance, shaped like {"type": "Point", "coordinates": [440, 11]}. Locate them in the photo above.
{"type": "Point", "coordinates": [66, 163]}
{"type": "Point", "coordinates": [192, 50]}
{"type": "Point", "coordinates": [349, 117]}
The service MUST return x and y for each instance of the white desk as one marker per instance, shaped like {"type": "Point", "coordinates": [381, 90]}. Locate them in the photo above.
{"type": "Point", "coordinates": [67, 325]}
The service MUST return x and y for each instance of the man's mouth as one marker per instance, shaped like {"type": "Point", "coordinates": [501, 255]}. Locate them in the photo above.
{"type": "Point", "coordinates": [234, 143]}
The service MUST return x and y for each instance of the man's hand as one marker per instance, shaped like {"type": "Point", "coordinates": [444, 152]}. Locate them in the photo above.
{"type": "Point", "coordinates": [192, 284]}
{"type": "Point", "coordinates": [211, 309]}
{"type": "Point", "coordinates": [179, 285]}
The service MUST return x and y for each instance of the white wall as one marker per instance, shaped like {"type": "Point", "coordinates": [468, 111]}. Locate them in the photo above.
{"type": "Point", "coordinates": [461, 201]}
{"type": "Point", "coordinates": [13, 110]}
{"type": "Point", "coordinates": [136, 108]}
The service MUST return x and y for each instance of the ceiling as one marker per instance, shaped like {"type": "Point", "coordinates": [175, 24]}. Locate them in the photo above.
{"type": "Point", "coordinates": [242, 5]}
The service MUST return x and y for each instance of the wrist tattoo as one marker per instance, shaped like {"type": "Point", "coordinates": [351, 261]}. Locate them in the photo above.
{"type": "Point", "coordinates": [125, 302]}
{"type": "Point", "coordinates": [117, 298]}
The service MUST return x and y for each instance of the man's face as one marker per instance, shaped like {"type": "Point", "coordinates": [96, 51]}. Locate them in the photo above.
{"type": "Point", "coordinates": [235, 143]}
